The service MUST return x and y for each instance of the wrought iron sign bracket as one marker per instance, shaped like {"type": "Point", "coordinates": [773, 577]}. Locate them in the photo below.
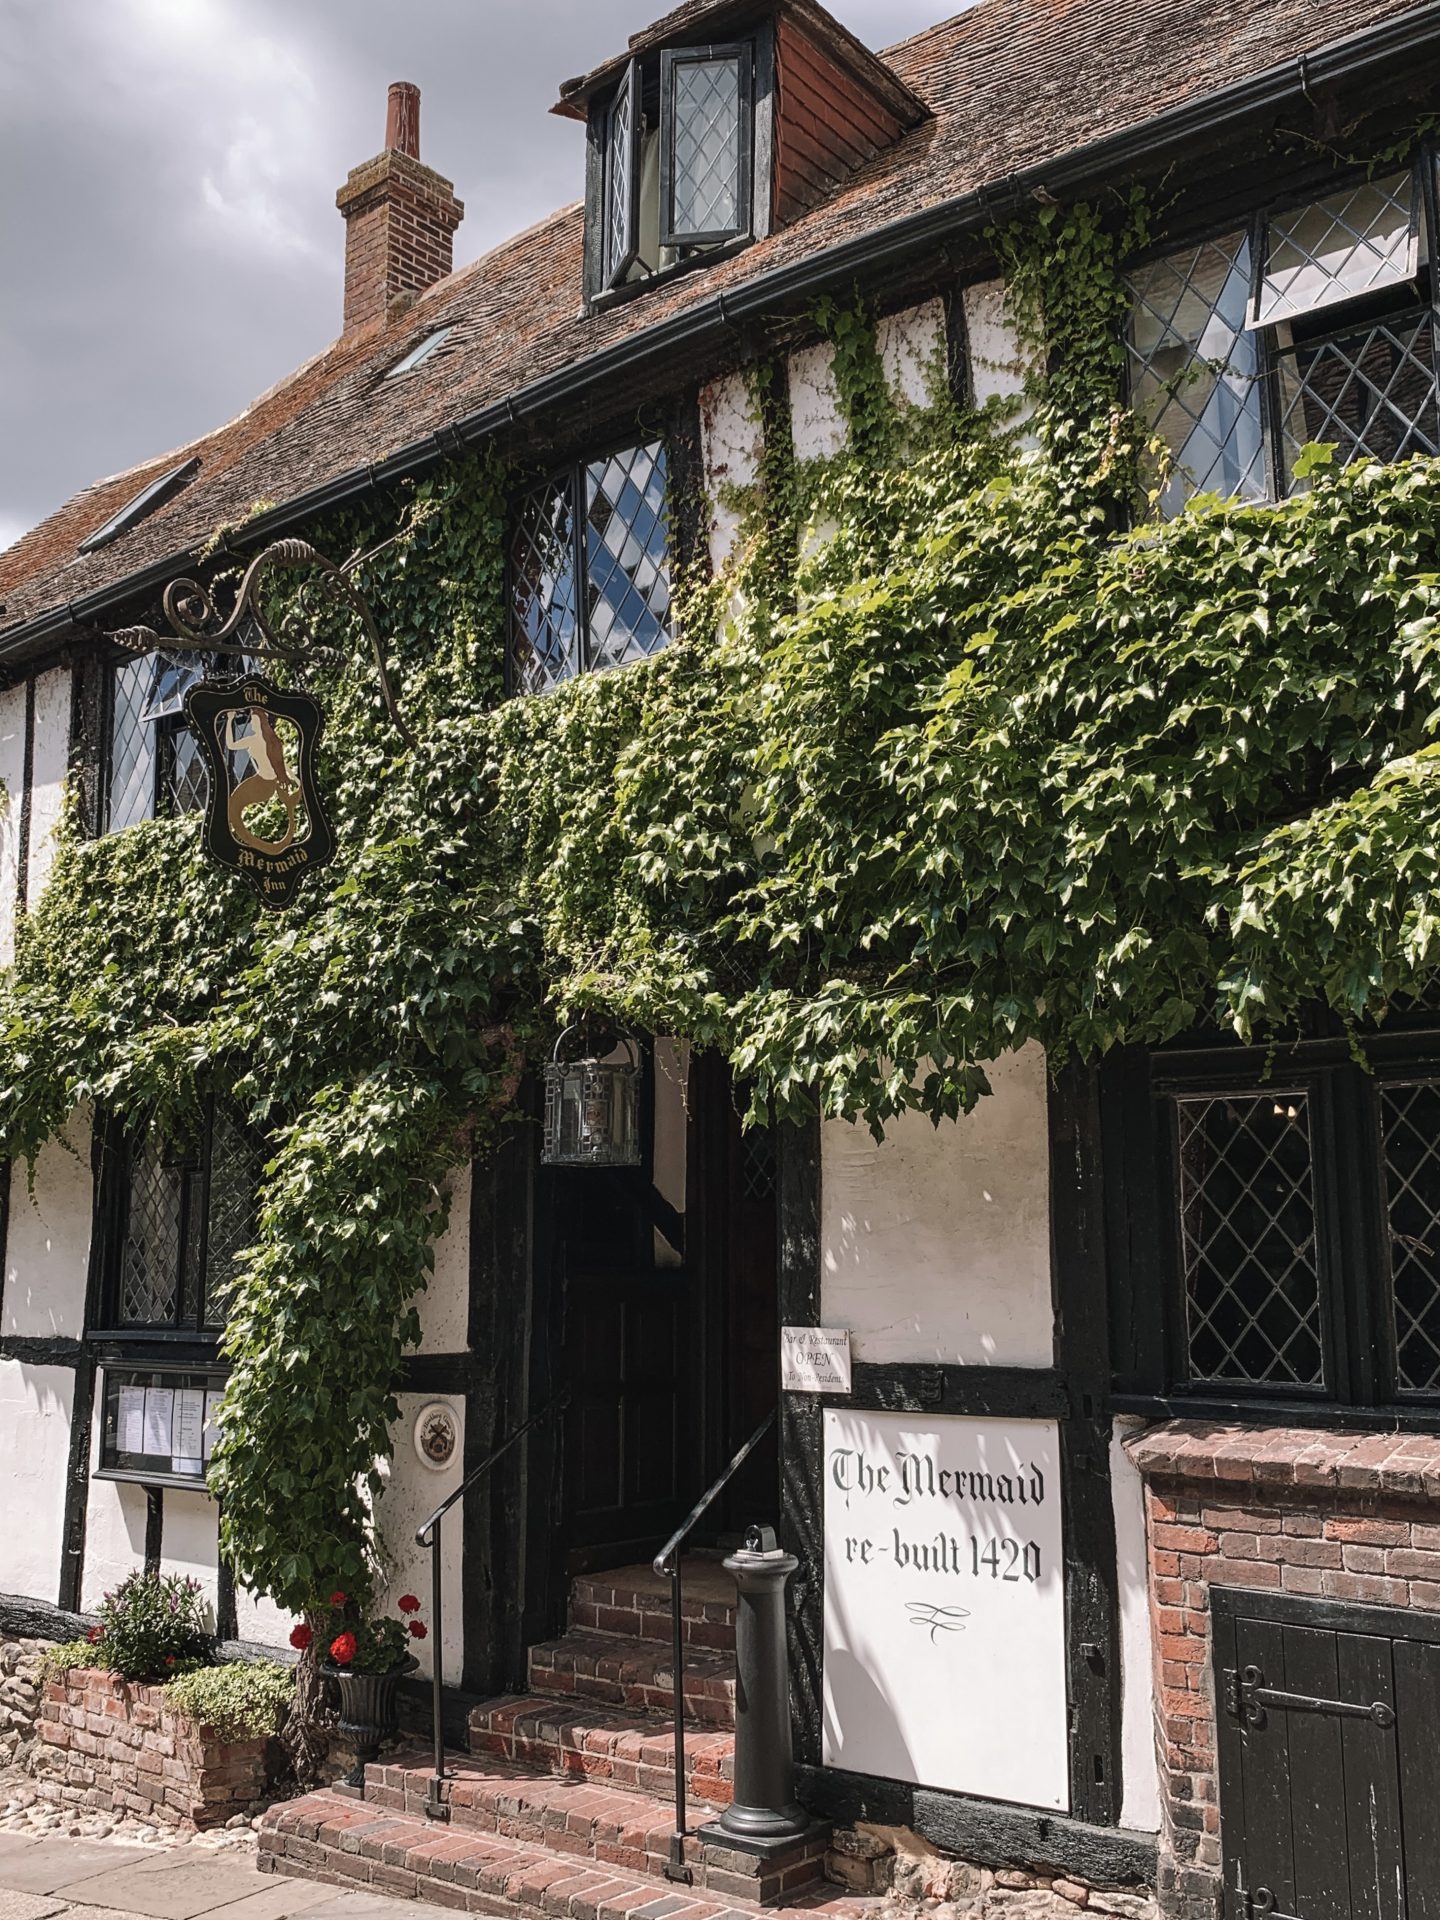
{"type": "Point", "coordinates": [1247, 1698]}
{"type": "Point", "coordinates": [196, 625]}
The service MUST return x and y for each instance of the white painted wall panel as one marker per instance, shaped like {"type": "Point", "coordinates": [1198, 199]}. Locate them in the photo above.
{"type": "Point", "coordinates": [998, 362]}
{"type": "Point", "coordinates": [261, 1621]}
{"type": "Point", "coordinates": [47, 1250]}
{"type": "Point", "coordinates": [35, 1405]}
{"type": "Point", "coordinates": [411, 1494]}
{"type": "Point", "coordinates": [12, 794]}
{"type": "Point", "coordinates": [936, 1242]}
{"type": "Point", "coordinates": [190, 1541]}
{"type": "Point", "coordinates": [444, 1306]}
{"type": "Point", "coordinates": [911, 346]}
{"type": "Point", "coordinates": [1140, 1804]}
{"type": "Point", "coordinates": [733, 442]}
{"type": "Point", "coordinates": [115, 1514]}
{"type": "Point", "coordinates": [817, 421]}
{"type": "Point", "coordinates": [49, 767]}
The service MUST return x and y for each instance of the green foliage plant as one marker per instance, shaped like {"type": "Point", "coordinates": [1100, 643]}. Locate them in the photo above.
{"type": "Point", "coordinates": [239, 1700]}
{"type": "Point", "coordinates": [963, 752]}
{"type": "Point", "coordinates": [151, 1625]}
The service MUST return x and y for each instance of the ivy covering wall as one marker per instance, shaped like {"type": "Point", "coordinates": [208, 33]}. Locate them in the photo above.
{"type": "Point", "coordinates": [978, 768]}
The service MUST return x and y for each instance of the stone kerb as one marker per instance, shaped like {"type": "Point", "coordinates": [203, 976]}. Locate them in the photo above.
{"type": "Point", "coordinates": [104, 1741]}
{"type": "Point", "coordinates": [1332, 1516]}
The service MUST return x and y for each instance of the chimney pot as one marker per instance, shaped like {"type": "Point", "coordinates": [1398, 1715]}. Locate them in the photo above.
{"type": "Point", "coordinates": [402, 119]}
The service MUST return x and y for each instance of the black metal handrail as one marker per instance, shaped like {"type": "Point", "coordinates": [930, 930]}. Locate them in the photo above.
{"type": "Point", "coordinates": [429, 1535]}
{"type": "Point", "coordinates": [667, 1564]}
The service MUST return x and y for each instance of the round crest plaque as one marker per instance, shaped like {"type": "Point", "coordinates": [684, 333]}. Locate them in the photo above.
{"type": "Point", "coordinates": [437, 1435]}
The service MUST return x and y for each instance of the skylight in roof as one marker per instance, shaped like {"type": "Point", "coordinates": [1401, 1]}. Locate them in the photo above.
{"type": "Point", "coordinates": [144, 502]}
{"type": "Point", "coordinates": [421, 352]}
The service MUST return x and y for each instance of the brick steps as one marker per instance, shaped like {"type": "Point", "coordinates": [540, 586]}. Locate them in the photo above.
{"type": "Point", "coordinates": [612, 1826]}
{"type": "Point", "coordinates": [560, 1735]}
{"type": "Point", "coordinates": [354, 1844]}
{"type": "Point", "coordinates": [621, 1671]}
{"type": "Point", "coordinates": [635, 1601]}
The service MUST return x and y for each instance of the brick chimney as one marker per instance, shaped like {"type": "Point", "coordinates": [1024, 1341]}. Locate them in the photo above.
{"type": "Point", "coordinates": [400, 220]}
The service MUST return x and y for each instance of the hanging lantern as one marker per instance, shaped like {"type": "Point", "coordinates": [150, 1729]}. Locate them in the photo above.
{"type": "Point", "coordinates": [592, 1110]}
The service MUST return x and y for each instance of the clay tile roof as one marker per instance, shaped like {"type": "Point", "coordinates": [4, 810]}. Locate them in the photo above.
{"type": "Point", "coordinates": [1012, 85]}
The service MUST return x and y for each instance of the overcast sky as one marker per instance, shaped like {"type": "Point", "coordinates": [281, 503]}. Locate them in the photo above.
{"type": "Point", "coordinates": [169, 245]}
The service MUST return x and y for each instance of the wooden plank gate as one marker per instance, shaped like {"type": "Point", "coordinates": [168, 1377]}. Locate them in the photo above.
{"type": "Point", "coordinates": [1328, 1735]}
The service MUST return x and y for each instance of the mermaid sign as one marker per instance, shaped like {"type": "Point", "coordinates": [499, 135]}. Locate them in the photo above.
{"type": "Point", "coordinates": [264, 818]}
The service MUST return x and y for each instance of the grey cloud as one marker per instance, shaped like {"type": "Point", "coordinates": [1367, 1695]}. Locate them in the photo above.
{"type": "Point", "coordinates": [169, 244]}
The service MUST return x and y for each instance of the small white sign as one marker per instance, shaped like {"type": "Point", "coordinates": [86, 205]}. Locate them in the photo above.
{"type": "Point", "coordinates": [815, 1359]}
{"type": "Point", "coordinates": [945, 1604]}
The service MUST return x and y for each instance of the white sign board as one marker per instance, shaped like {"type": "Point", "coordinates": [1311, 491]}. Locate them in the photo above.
{"type": "Point", "coordinates": [815, 1359]}
{"type": "Point", "coordinates": [945, 1604]}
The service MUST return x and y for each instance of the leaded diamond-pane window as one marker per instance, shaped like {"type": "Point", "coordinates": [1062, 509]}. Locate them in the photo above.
{"type": "Point", "coordinates": [1195, 372]}
{"type": "Point", "coordinates": [1410, 1126]}
{"type": "Point", "coordinates": [627, 573]}
{"type": "Point", "coordinates": [1352, 243]}
{"type": "Point", "coordinates": [181, 1219]}
{"type": "Point", "coordinates": [622, 178]}
{"type": "Point", "coordinates": [1248, 1241]}
{"type": "Point", "coordinates": [705, 125]}
{"type": "Point", "coordinates": [590, 569]}
{"type": "Point", "coordinates": [1369, 392]}
{"type": "Point", "coordinates": [155, 765]}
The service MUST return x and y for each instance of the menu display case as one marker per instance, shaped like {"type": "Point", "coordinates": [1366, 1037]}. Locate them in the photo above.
{"type": "Point", "coordinates": [159, 1425]}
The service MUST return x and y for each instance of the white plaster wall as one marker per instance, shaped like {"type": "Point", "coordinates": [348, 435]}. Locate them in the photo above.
{"type": "Point", "coordinates": [1140, 1804]}
{"type": "Point", "coordinates": [444, 1306]}
{"type": "Point", "coordinates": [260, 1620]}
{"type": "Point", "coordinates": [998, 362]}
{"type": "Point", "coordinates": [190, 1541]}
{"type": "Point", "coordinates": [47, 1250]}
{"type": "Point", "coordinates": [411, 1494]}
{"type": "Point", "coordinates": [911, 346]}
{"type": "Point", "coordinates": [733, 441]}
{"type": "Point", "coordinates": [49, 767]}
{"type": "Point", "coordinates": [12, 781]}
{"type": "Point", "coordinates": [35, 1406]}
{"type": "Point", "coordinates": [817, 420]}
{"type": "Point", "coordinates": [114, 1536]}
{"type": "Point", "coordinates": [936, 1242]}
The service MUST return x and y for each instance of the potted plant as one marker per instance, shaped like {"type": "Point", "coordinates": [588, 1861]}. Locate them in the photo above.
{"type": "Point", "coordinates": [366, 1659]}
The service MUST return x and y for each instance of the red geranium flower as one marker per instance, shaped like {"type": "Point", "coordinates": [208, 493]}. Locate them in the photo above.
{"type": "Point", "coordinates": [95, 1635]}
{"type": "Point", "coordinates": [169, 1659]}
{"type": "Point", "coordinates": [337, 1599]}
{"type": "Point", "coordinates": [417, 1628]}
{"type": "Point", "coordinates": [300, 1636]}
{"type": "Point", "coordinates": [342, 1649]}
{"type": "Point", "coordinates": [408, 1603]}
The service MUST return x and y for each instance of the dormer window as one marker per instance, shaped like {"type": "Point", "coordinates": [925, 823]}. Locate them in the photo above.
{"type": "Point", "coordinates": [679, 161]}
{"type": "Point", "coordinates": [700, 145]}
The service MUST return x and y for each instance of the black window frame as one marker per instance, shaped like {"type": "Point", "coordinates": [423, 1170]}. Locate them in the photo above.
{"type": "Point", "coordinates": [188, 1329]}
{"type": "Point", "coordinates": [573, 475]}
{"type": "Point", "coordinates": [1148, 1297]}
{"type": "Point", "coordinates": [614, 266]}
{"type": "Point", "coordinates": [742, 54]}
{"type": "Point", "coordinates": [164, 792]}
{"type": "Point", "coordinates": [1406, 299]}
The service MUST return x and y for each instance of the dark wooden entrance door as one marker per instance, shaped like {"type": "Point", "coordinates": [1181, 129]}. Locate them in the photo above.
{"type": "Point", "coordinates": [1329, 1760]}
{"type": "Point", "coordinates": [669, 1344]}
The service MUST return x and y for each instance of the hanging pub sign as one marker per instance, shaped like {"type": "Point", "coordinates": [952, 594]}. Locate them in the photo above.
{"type": "Point", "coordinates": [264, 816]}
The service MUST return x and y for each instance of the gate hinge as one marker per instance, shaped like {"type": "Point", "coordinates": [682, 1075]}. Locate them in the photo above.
{"type": "Point", "coordinates": [1248, 1698]}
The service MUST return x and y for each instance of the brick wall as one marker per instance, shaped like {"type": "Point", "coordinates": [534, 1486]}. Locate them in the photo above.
{"type": "Point", "coordinates": [400, 221]}
{"type": "Point", "coordinates": [1328, 1516]}
{"type": "Point", "coordinates": [108, 1742]}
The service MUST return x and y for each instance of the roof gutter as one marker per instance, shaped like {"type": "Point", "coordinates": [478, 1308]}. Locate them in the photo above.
{"type": "Point", "coordinates": [1408, 34]}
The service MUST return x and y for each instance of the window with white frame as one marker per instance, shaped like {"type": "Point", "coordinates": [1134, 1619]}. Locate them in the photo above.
{"type": "Point", "coordinates": [590, 569]}
{"type": "Point", "coordinates": [1315, 324]}
{"type": "Point", "coordinates": [676, 178]}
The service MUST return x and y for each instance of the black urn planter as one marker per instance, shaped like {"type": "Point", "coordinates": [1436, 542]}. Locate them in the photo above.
{"type": "Point", "coordinates": [368, 1710]}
